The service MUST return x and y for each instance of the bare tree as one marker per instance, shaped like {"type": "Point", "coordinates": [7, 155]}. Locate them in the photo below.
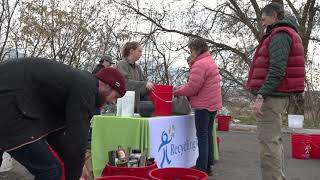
{"type": "Point", "coordinates": [6, 16]}
{"type": "Point", "coordinates": [232, 28]}
{"type": "Point", "coordinates": [62, 34]}
{"type": "Point", "coordinates": [78, 32]}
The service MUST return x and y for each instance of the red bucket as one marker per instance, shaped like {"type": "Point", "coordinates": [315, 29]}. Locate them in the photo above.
{"type": "Point", "coordinates": [121, 178]}
{"type": "Point", "coordinates": [223, 122]}
{"type": "Point", "coordinates": [177, 173]}
{"type": "Point", "coordinates": [300, 146]}
{"type": "Point", "coordinates": [128, 171]}
{"type": "Point", "coordinates": [161, 96]}
{"type": "Point", "coordinates": [315, 146]}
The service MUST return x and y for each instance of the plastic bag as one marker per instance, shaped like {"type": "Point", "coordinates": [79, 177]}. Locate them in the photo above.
{"type": "Point", "coordinates": [181, 106]}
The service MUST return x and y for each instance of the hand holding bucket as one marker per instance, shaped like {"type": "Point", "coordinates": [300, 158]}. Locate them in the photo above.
{"type": "Point", "coordinates": [149, 86]}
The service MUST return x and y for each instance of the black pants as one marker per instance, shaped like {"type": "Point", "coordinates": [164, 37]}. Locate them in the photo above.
{"type": "Point", "coordinates": [39, 160]}
{"type": "Point", "coordinates": [1, 153]}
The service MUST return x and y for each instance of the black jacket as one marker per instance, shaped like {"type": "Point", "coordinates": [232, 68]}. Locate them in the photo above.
{"type": "Point", "coordinates": [98, 68]}
{"type": "Point", "coordinates": [40, 98]}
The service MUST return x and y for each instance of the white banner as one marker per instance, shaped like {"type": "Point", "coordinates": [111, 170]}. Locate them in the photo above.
{"type": "Point", "coordinates": [173, 141]}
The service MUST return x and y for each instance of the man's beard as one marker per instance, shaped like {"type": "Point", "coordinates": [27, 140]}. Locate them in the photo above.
{"type": "Point", "coordinates": [102, 98]}
{"type": "Point", "coordinates": [102, 101]}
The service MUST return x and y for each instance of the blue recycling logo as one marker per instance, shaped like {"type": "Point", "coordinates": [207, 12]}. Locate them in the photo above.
{"type": "Point", "coordinates": [165, 140]}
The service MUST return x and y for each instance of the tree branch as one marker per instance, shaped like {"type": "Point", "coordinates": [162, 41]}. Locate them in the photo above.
{"type": "Point", "coordinates": [312, 13]}
{"type": "Point", "coordinates": [258, 14]}
{"type": "Point", "coordinates": [219, 11]}
{"type": "Point", "coordinates": [230, 77]}
{"type": "Point", "coordinates": [256, 8]}
{"type": "Point", "coordinates": [305, 15]}
{"type": "Point", "coordinates": [315, 39]}
{"type": "Point", "coordinates": [162, 28]}
{"type": "Point", "coordinates": [294, 10]}
{"type": "Point", "coordinates": [7, 31]}
{"type": "Point", "coordinates": [243, 18]}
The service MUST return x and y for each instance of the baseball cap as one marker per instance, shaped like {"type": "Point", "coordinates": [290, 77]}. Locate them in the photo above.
{"type": "Point", "coordinates": [106, 58]}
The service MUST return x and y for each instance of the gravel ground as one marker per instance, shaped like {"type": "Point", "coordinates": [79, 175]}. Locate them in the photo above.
{"type": "Point", "coordinates": [239, 161]}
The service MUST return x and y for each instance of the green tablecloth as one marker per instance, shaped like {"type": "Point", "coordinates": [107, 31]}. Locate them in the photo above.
{"type": "Point", "coordinates": [108, 132]}
{"type": "Point", "coordinates": [215, 143]}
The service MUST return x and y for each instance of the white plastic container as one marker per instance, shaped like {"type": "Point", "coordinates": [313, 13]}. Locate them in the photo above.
{"type": "Point", "coordinates": [125, 105]}
{"type": "Point", "coordinates": [119, 105]}
{"type": "Point", "coordinates": [6, 162]}
{"type": "Point", "coordinates": [295, 121]}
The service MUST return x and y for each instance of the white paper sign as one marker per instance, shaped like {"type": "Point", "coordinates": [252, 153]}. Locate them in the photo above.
{"type": "Point", "coordinates": [173, 141]}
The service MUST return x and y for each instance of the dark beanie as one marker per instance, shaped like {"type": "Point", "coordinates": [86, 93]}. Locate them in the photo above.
{"type": "Point", "coordinates": [113, 78]}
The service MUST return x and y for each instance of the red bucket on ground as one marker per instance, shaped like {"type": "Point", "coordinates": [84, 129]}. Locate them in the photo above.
{"type": "Point", "coordinates": [142, 172]}
{"type": "Point", "coordinates": [177, 173]}
{"type": "Point", "coordinates": [300, 146]}
{"type": "Point", "coordinates": [315, 146]}
{"type": "Point", "coordinates": [161, 96]}
{"type": "Point", "coordinates": [223, 122]}
{"type": "Point", "coordinates": [121, 178]}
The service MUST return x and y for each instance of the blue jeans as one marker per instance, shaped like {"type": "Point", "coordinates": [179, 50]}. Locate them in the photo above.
{"type": "Point", "coordinates": [39, 160]}
{"type": "Point", "coordinates": [144, 98]}
{"type": "Point", "coordinates": [204, 120]}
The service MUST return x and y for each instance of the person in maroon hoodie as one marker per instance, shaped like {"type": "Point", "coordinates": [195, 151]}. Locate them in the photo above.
{"type": "Point", "coordinates": [204, 92]}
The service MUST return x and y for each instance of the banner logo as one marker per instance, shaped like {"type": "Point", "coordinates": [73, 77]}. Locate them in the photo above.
{"type": "Point", "coordinates": [165, 140]}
